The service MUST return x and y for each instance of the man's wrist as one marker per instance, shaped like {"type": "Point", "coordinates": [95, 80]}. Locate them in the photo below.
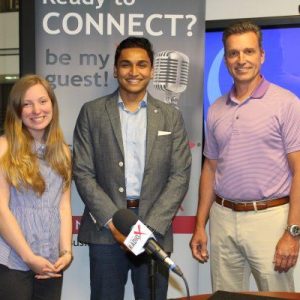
{"type": "Point", "coordinates": [293, 230]}
{"type": "Point", "coordinates": [200, 226]}
{"type": "Point", "coordinates": [106, 225]}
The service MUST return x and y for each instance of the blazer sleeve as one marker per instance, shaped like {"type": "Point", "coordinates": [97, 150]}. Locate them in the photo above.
{"type": "Point", "coordinates": [92, 194]}
{"type": "Point", "coordinates": [161, 214]}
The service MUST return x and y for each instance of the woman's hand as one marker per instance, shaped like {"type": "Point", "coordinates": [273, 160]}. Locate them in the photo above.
{"type": "Point", "coordinates": [60, 265]}
{"type": "Point", "coordinates": [64, 260]}
{"type": "Point", "coordinates": [42, 267]}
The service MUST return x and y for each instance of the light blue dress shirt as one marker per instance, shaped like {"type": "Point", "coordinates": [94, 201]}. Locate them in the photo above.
{"type": "Point", "coordinates": [134, 125]}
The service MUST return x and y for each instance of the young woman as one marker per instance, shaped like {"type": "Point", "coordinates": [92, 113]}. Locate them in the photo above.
{"type": "Point", "coordinates": [35, 210]}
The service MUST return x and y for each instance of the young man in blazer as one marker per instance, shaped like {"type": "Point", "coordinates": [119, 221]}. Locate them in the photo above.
{"type": "Point", "coordinates": [130, 151]}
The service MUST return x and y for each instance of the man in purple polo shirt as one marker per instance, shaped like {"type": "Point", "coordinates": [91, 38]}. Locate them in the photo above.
{"type": "Point", "coordinates": [250, 181]}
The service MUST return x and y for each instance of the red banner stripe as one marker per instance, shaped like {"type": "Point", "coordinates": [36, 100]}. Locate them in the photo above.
{"type": "Point", "coordinates": [181, 224]}
{"type": "Point", "coordinates": [184, 224]}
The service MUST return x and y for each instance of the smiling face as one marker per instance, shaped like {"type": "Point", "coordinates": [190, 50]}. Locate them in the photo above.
{"type": "Point", "coordinates": [133, 72]}
{"type": "Point", "coordinates": [37, 111]}
{"type": "Point", "coordinates": [244, 57]}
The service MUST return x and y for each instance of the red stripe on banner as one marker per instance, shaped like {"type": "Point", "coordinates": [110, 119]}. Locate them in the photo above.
{"type": "Point", "coordinates": [181, 224]}
{"type": "Point", "coordinates": [75, 224]}
{"type": "Point", "coordinates": [184, 224]}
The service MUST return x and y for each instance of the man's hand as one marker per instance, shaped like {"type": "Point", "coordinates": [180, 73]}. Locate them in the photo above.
{"type": "Point", "coordinates": [198, 245]}
{"type": "Point", "coordinates": [119, 237]}
{"type": "Point", "coordinates": [286, 253]}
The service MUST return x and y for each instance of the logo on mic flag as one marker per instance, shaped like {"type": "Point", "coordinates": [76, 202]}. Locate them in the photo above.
{"type": "Point", "coordinates": [138, 237]}
{"type": "Point", "coordinates": [139, 232]}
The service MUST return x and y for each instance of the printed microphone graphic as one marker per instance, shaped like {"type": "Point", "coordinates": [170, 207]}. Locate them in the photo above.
{"type": "Point", "coordinates": [140, 238]}
{"type": "Point", "coordinates": [171, 72]}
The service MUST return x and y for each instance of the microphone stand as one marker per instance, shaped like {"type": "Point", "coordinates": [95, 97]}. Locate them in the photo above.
{"type": "Point", "coordinates": [172, 98]}
{"type": "Point", "coordinates": [152, 277]}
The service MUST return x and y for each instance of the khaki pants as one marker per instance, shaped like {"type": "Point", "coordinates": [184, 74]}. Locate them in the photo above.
{"type": "Point", "coordinates": [243, 243]}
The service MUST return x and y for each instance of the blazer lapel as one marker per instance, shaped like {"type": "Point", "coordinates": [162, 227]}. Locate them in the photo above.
{"type": "Point", "coordinates": [153, 114]}
{"type": "Point", "coordinates": [114, 116]}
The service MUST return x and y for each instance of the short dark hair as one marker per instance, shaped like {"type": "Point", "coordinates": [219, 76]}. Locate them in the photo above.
{"type": "Point", "coordinates": [242, 27]}
{"type": "Point", "coordinates": [135, 42]}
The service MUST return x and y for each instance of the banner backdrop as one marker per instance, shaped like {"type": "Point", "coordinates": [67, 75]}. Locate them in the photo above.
{"type": "Point", "coordinates": [76, 41]}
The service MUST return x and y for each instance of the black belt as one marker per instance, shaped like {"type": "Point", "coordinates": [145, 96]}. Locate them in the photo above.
{"type": "Point", "coordinates": [250, 206]}
{"type": "Point", "coordinates": [133, 203]}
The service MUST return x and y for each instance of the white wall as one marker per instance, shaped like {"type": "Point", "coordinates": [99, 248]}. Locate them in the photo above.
{"type": "Point", "coordinates": [238, 9]}
{"type": "Point", "coordinates": [9, 38]}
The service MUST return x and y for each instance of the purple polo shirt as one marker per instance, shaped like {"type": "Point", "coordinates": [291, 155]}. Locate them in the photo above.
{"type": "Point", "coordinates": [251, 140]}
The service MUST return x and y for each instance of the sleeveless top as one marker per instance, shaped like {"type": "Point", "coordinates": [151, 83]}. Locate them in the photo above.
{"type": "Point", "coordinates": [38, 217]}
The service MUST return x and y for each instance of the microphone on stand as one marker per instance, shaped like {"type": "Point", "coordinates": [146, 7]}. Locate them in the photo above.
{"type": "Point", "coordinates": [140, 238]}
{"type": "Point", "coordinates": [171, 71]}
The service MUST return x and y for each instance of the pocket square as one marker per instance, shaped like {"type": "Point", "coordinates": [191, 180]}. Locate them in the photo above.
{"type": "Point", "coordinates": [163, 132]}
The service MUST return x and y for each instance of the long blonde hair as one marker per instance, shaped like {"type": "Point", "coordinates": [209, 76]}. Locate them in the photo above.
{"type": "Point", "coordinates": [20, 162]}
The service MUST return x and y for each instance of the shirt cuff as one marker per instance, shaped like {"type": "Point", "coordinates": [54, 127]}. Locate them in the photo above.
{"type": "Point", "coordinates": [106, 224]}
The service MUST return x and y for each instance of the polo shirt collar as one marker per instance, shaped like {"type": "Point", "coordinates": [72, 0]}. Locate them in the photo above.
{"type": "Point", "coordinates": [258, 93]}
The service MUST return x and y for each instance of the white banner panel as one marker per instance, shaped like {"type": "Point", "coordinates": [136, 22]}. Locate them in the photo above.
{"type": "Point", "coordinates": [75, 46]}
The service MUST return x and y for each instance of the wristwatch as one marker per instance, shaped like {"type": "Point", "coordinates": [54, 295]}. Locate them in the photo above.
{"type": "Point", "coordinates": [293, 230]}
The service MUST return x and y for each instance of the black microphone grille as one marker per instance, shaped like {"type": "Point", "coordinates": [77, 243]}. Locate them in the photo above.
{"type": "Point", "coordinates": [123, 220]}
